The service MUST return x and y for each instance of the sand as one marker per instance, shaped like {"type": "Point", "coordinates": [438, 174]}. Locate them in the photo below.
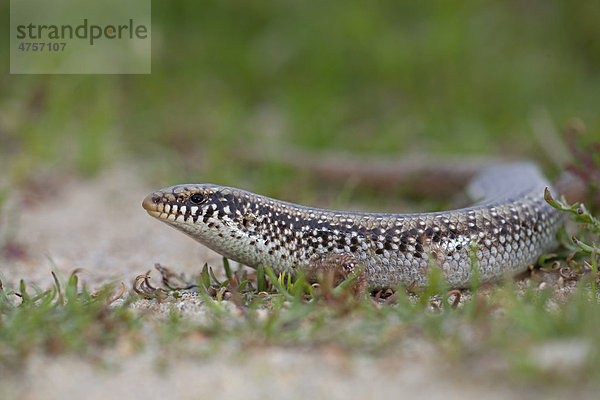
{"type": "Point", "coordinates": [99, 226]}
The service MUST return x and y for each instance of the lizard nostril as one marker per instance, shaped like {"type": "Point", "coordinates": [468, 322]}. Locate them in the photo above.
{"type": "Point", "coordinates": [150, 202]}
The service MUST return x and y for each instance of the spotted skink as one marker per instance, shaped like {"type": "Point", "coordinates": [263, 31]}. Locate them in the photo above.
{"type": "Point", "coordinates": [509, 227]}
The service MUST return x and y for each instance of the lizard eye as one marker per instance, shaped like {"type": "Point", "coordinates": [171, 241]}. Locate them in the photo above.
{"type": "Point", "coordinates": [197, 198]}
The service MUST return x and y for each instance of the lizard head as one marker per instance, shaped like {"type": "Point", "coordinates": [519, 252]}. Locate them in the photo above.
{"type": "Point", "coordinates": [180, 202]}
{"type": "Point", "coordinates": [219, 217]}
{"type": "Point", "coordinates": [197, 207]}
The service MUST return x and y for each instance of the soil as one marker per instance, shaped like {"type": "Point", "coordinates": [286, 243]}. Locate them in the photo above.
{"type": "Point", "coordinates": [99, 226]}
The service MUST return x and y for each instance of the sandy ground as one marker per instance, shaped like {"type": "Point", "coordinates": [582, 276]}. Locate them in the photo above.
{"type": "Point", "coordinates": [100, 226]}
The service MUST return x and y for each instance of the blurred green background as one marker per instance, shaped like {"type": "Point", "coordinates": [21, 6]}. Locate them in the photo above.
{"type": "Point", "coordinates": [380, 78]}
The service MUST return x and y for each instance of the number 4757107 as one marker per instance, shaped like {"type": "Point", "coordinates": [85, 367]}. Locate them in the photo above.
{"type": "Point", "coordinates": [42, 46]}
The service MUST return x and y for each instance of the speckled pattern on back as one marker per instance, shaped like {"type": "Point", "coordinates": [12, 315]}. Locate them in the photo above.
{"type": "Point", "coordinates": [503, 234]}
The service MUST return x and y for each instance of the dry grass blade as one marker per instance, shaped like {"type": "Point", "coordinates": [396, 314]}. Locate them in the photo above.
{"type": "Point", "coordinates": [61, 297]}
{"type": "Point", "coordinates": [387, 296]}
{"type": "Point", "coordinates": [142, 286]}
{"type": "Point", "coordinates": [119, 295]}
{"type": "Point", "coordinates": [172, 280]}
{"type": "Point", "coordinates": [457, 294]}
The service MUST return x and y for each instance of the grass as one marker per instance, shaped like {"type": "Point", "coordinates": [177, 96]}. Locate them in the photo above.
{"type": "Point", "coordinates": [514, 333]}
{"type": "Point", "coordinates": [66, 318]}
{"type": "Point", "coordinates": [494, 322]}
{"type": "Point", "coordinates": [385, 78]}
